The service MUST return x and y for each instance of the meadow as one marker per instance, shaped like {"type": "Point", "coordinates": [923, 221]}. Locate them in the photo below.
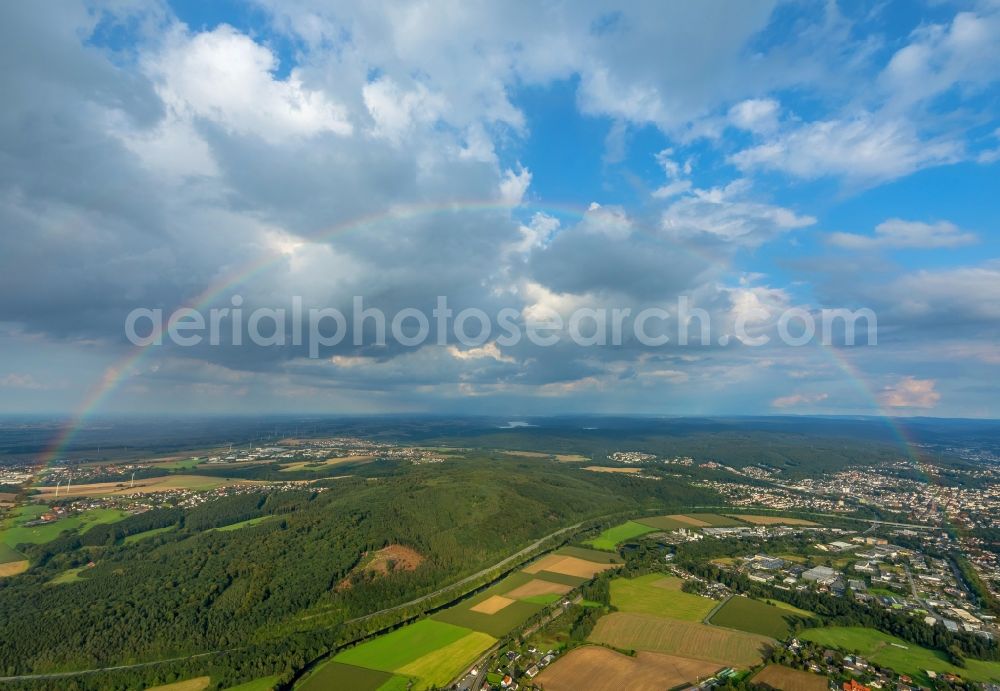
{"type": "Point", "coordinates": [336, 675]}
{"type": "Point", "coordinates": [402, 646]}
{"type": "Point", "coordinates": [612, 537]}
{"type": "Point", "coordinates": [262, 684]}
{"type": "Point", "coordinates": [129, 539]}
{"type": "Point", "coordinates": [432, 651]}
{"type": "Point", "coordinates": [16, 533]}
{"type": "Point", "coordinates": [627, 630]}
{"type": "Point", "coordinates": [897, 654]}
{"type": "Point", "coordinates": [753, 616]}
{"type": "Point", "coordinates": [659, 595]}
{"type": "Point", "coordinates": [243, 524]}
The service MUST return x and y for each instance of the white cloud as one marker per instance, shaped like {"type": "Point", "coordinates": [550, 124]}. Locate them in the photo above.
{"type": "Point", "coordinates": [910, 392]}
{"type": "Point", "coordinates": [965, 52]}
{"type": "Point", "coordinates": [489, 350]}
{"type": "Point", "coordinates": [865, 148]}
{"type": "Point", "coordinates": [727, 213]}
{"type": "Point", "coordinates": [396, 111]}
{"type": "Point", "coordinates": [897, 233]}
{"type": "Point", "coordinates": [755, 114]}
{"type": "Point", "coordinates": [672, 189]}
{"type": "Point", "coordinates": [513, 186]}
{"type": "Point", "coordinates": [224, 76]}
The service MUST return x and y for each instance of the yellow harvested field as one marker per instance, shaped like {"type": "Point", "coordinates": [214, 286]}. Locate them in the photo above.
{"type": "Point", "coordinates": [769, 520]}
{"type": "Point", "coordinates": [316, 465]}
{"type": "Point", "coordinates": [539, 587]}
{"type": "Point", "coordinates": [12, 568]}
{"type": "Point", "coordinates": [150, 485]}
{"type": "Point", "coordinates": [570, 457]}
{"type": "Point", "coordinates": [492, 605]}
{"type": "Point", "coordinates": [628, 630]}
{"type": "Point", "coordinates": [605, 469]}
{"type": "Point", "coordinates": [696, 522]}
{"type": "Point", "coordinates": [788, 679]}
{"type": "Point", "coordinates": [196, 684]}
{"type": "Point", "coordinates": [599, 669]}
{"type": "Point", "coordinates": [567, 566]}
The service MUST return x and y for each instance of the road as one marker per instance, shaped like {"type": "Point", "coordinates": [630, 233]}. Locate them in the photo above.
{"type": "Point", "coordinates": [499, 566]}
{"type": "Point", "coordinates": [916, 596]}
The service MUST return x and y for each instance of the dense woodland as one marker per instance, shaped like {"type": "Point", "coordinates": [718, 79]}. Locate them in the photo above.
{"type": "Point", "coordinates": [254, 591]}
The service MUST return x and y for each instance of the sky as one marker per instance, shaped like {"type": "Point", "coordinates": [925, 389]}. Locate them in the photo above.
{"type": "Point", "coordinates": [749, 160]}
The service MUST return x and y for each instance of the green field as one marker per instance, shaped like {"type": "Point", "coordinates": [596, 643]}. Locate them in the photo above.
{"type": "Point", "coordinates": [8, 554]}
{"type": "Point", "coordinates": [897, 654]}
{"type": "Point", "coordinates": [664, 523]}
{"type": "Point", "coordinates": [186, 464]}
{"type": "Point", "coordinates": [632, 631]}
{"type": "Point", "coordinates": [661, 595]}
{"type": "Point", "coordinates": [402, 646]}
{"type": "Point", "coordinates": [262, 684]}
{"type": "Point", "coordinates": [563, 578]}
{"type": "Point", "coordinates": [753, 616]}
{"type": "Point", "coordinates": [598, 557]}
{"type": "Point", "coordinates": [504, 621]}
{"type": "Point", "coordinates": [790, 608]}
{"type": "Point", "coordinates": [440, 667]}
{"type": "Point", "coordinates": [336, 675]}
{"type": "Point", "coordinates": [547, 599]}
{"type": "Point", "coordinates": [146, 533]}
{"type": "Point", "coordinates": [497, 625]}
{"type": "Point", "coordinates": [67, 576]}
{"type": "Point", "coordinates": [243, 524]}
{"type": "Point", "coordinates": [15, 533]}
{"type": "Point", "coordinates": [612, 537]}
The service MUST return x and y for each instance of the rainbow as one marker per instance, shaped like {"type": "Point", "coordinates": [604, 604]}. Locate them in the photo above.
{"type": "Point", "coordinates": [114, 375]}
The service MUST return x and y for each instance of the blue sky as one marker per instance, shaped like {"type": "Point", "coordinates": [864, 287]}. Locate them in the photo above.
{"type": "Point", "coordinates": [749, 159]}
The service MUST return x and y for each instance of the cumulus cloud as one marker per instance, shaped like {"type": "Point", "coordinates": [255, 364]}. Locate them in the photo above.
{"type": "Point", "coordinates": [910, 392]}
{"type": "Point", "coordinates": [226, 77]}
{"type": "Point", "coordinates": [897, 233]}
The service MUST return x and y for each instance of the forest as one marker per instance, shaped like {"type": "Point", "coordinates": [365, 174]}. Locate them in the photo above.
{"type": "Point", "coordinates": [268, 594]}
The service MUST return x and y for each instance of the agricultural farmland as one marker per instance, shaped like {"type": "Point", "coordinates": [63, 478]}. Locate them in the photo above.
{"type": "Point", "coordinates": [336, 675]}
{"type": "Point", "coordinates": [659, 595]}
{"type": "Point", "coordinates": [629, 630]}
{"type": "Point", "coordinates": [612, 537]}
{"type": "Point", "coordinates": [788, 679]}
{"type": "Point", "coordinates": [600, 669]}
{"type": "Point", "coordinates": [753, 616]}
{"type": "Point", "coordinates": [431, 651]}
{"type": "Point", "coordinates": [163, 483]}
{"type": "Point", "coordinates": [770, 520]}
